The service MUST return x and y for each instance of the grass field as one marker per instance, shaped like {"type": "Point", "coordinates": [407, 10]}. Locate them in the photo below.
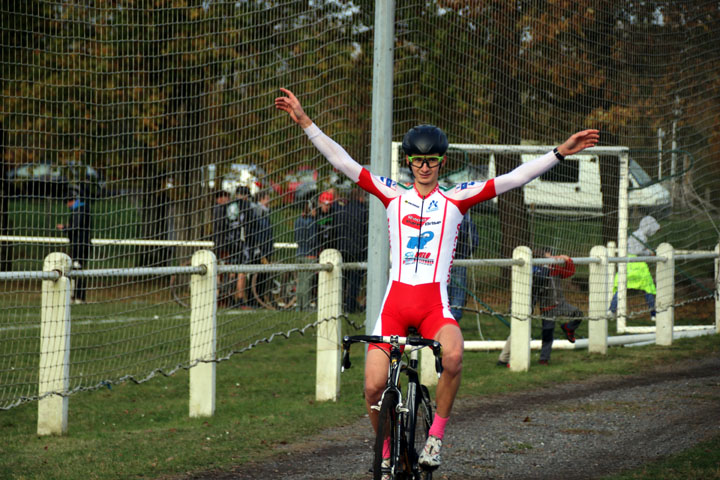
{"type": "Point", "coordinates": [265, 397]}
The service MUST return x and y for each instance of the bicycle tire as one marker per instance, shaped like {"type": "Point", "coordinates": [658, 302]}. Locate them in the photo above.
{"type": "Point", "coordinates": [180, 287]}
{"type": "Point", "coordinates": [226, 284]}
{"type": "Point", "coordinates": [423, 417]}
{"type": "Point", "coordinates": [280, 296]}
{"type": "Point", "coordinates": [387, 426]}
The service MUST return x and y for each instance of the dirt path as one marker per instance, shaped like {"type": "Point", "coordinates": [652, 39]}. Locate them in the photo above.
{"type": "Point", "coordinates": [572, 431]}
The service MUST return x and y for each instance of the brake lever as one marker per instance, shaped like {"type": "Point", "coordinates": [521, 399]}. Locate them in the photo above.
{"type": "Point", "coordinates": [437, 350]}
{"type": "Point", "coordinates": [346, 358]}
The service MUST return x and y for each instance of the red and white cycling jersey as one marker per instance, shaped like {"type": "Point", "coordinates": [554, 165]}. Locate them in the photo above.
{"type": "Point", "coordinates": [423, 230]}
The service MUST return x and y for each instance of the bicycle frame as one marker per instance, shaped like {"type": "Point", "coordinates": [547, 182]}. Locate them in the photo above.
{"type": "Point", "coordinates": [403, 454]}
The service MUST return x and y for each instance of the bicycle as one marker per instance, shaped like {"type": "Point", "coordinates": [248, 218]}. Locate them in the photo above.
{"type": "Point", "coordinates": [273, 291]}
{"type": "Point", "coordinates": [180, 287]}
{"type": "Point", "coordinates": [407, 423]}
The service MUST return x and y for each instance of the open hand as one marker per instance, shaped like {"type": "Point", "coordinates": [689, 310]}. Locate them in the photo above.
{"type": "Point", "coordinates": [291, 105]}
{"type": "Point", "coordinates": [579, 141]}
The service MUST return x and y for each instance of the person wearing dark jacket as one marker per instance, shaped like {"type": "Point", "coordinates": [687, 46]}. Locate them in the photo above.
{"type": "Point", "coordinates": [547, 294]}
{"type": "Point", "coordinates": [240, 218]}
{"type": "Point", "coordinates": [352, 243]}
{"type": "Point", "coordinates": [79, 229]}
{"type": "Point", "coordinates": [327, 221]}
{"type": "Point", "coordinates": [305, 237]}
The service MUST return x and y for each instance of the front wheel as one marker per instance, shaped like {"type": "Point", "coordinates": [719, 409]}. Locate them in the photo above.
{"type": "Point", "coordinates": [419, 429]}
{"type": "Point", "coordinates": [387, 427]}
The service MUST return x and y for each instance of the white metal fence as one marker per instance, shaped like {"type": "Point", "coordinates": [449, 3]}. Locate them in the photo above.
{"type": "Point", "coordinates": [55, 330]}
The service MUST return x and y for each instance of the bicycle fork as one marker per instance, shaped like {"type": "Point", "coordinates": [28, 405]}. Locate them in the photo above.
{"type": "Point", "coordinates": [393, 384]}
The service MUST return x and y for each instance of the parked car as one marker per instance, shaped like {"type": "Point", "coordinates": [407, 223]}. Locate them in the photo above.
{"type": "Point", "coordinates": [573, 187]}
{"type": "Point", "coordinates": [46, 180]}
{"type": "Point", "coordinates": [246, 175]}
{"type": "Point", "coordinates": [300, 185]}
{"type": "Point", "coordinates": [305, 183]}
{"type": "Point", "coordinates": [570, 188]}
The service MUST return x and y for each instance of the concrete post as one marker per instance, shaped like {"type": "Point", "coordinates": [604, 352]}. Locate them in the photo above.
{"type": "Point", "coordinates": [329, 331]}
{"type": "Point", "coordinates": [203, 335]}
{"type": "Point", "coordinates": [428, 375]}
{"type": "Point", "coordinates": [611, 271]}
{"type": "Point", "coordinates": [521, 304]}
{"type": "Point", "coordinates": [622, 246]}
{"type": "Point", "coordinates": [597, 304]}
{"type": "Point", "coordinates": [54, 374]}
{"type": "Point", "coordinates": [664, 304]}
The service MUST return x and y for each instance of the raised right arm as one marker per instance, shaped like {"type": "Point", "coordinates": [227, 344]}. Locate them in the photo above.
{"type": "Point", "coordinates": [334, 153]}
{"type": "Point", "coordinates": [382, 188]}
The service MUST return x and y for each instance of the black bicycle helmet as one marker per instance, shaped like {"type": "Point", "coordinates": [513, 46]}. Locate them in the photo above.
{"type": "Point", "coordinates": [425, 139]}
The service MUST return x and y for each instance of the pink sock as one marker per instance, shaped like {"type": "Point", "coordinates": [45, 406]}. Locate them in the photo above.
{"type": "Point", "coordinates": [386, 448]}
{"type": "Point", "coordinates": [438, 426]}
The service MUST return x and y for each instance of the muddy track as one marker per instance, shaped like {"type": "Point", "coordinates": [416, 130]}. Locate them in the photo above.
{"type": "Point", "coordinates": [580, 430]}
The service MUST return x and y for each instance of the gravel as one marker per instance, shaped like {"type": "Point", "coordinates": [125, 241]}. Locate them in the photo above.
{"type": "Point", "coordinates": [581, 430]}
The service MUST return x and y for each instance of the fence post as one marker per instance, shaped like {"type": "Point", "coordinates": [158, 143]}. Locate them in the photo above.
{"type": "Point", "coordinates": [611, 271]}
{"type": "Point", "coordinates": [203, 335]}
{"type": "Point", "coordinates": [717, 289]}
{"type": "Point", "coordinates": [622, 244]}
{"type": "Point", "coordinates": [665, 303]}
{"type": "Point", "coordinates": [521, 304]}
{"type": "Point", "coordinates": [54, 374]}
{"type": "Point", "coordinates": [597, 303]}
{"type": "Point", "coordinates": [428, 375]}
{"type": "Point", "coordinates": [327, 383]}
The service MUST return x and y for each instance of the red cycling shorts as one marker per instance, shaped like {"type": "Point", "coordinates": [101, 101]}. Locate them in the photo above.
{"type": "Point", "coordinates": [420, 306]}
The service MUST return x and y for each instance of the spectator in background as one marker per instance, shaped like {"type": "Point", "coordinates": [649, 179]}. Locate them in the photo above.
{"type": "Point", "coordinates": [305, 236]}
{"type": "Point", "coordinates": [353, 244]}
{"type": "Point", "coordinates": [240, 216]}
{"type": "Point", "coordinates": [221, 225]}
{"type": "Point", "coordinates": [262, 234]}
{"type": "Point", "coordinates": [261, 244]}
{"type": "Point", "coordinates": [224, 244]}
{"type": "Point", "coordinates": [547, 294]}
{"type": "Point", "coordinates": [467, 242]}
{"type": "Point", "coordinates": [638, 273]}
{"type": "Point", "coordinates": [327, 221]}
{"type": "Point", "coordinates": [79, 228]}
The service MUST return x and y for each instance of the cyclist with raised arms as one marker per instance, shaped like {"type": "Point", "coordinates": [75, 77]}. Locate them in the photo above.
{"type": "Point", "coordinates": [423, 221]}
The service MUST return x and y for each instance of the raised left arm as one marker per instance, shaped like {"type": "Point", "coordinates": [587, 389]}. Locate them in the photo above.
{"type": "Point", "coordinates": [531, 170]}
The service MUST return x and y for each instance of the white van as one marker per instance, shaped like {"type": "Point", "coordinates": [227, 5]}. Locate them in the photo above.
{"type": "Point", "coordinates": [570, 188]}
{"type": "Point", "coordinates": [573, 187]}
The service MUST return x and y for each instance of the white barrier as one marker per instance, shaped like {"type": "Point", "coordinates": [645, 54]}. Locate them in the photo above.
{"type": "Point", "coordinates": [597, 336]}
{"type": "Point", "coordinates": [54, 375]}
{"type": "Point", "coordinates": [55, 326]}
{"type": "Point", "coordinates": [329, 329]}
{"type": "Point", "coordinates": [203, 334]}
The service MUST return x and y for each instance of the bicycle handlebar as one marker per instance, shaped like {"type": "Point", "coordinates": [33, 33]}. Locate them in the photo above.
{"type": "Point", "coordinates": [395, 341]}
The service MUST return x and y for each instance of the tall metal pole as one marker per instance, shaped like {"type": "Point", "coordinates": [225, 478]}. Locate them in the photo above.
{"type": "Point", "coordinates": [380, 153]}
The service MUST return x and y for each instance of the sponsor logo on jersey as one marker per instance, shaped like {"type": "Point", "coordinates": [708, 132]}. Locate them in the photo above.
{"type": "Point", "coordinates": [414, 221]}
{"type": "Point", "coordinates": [410, 203]}
{"type": "Point", "coordinates": [433, 206]}
{"type": "Point", "coordinates": [419, 242]}
{"type": "Point", "coordinates": [423, 258]}
{"type": "Point", "coordinates": [388, 182]}
{"type": "Point", "coordinates": [464, 185]}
